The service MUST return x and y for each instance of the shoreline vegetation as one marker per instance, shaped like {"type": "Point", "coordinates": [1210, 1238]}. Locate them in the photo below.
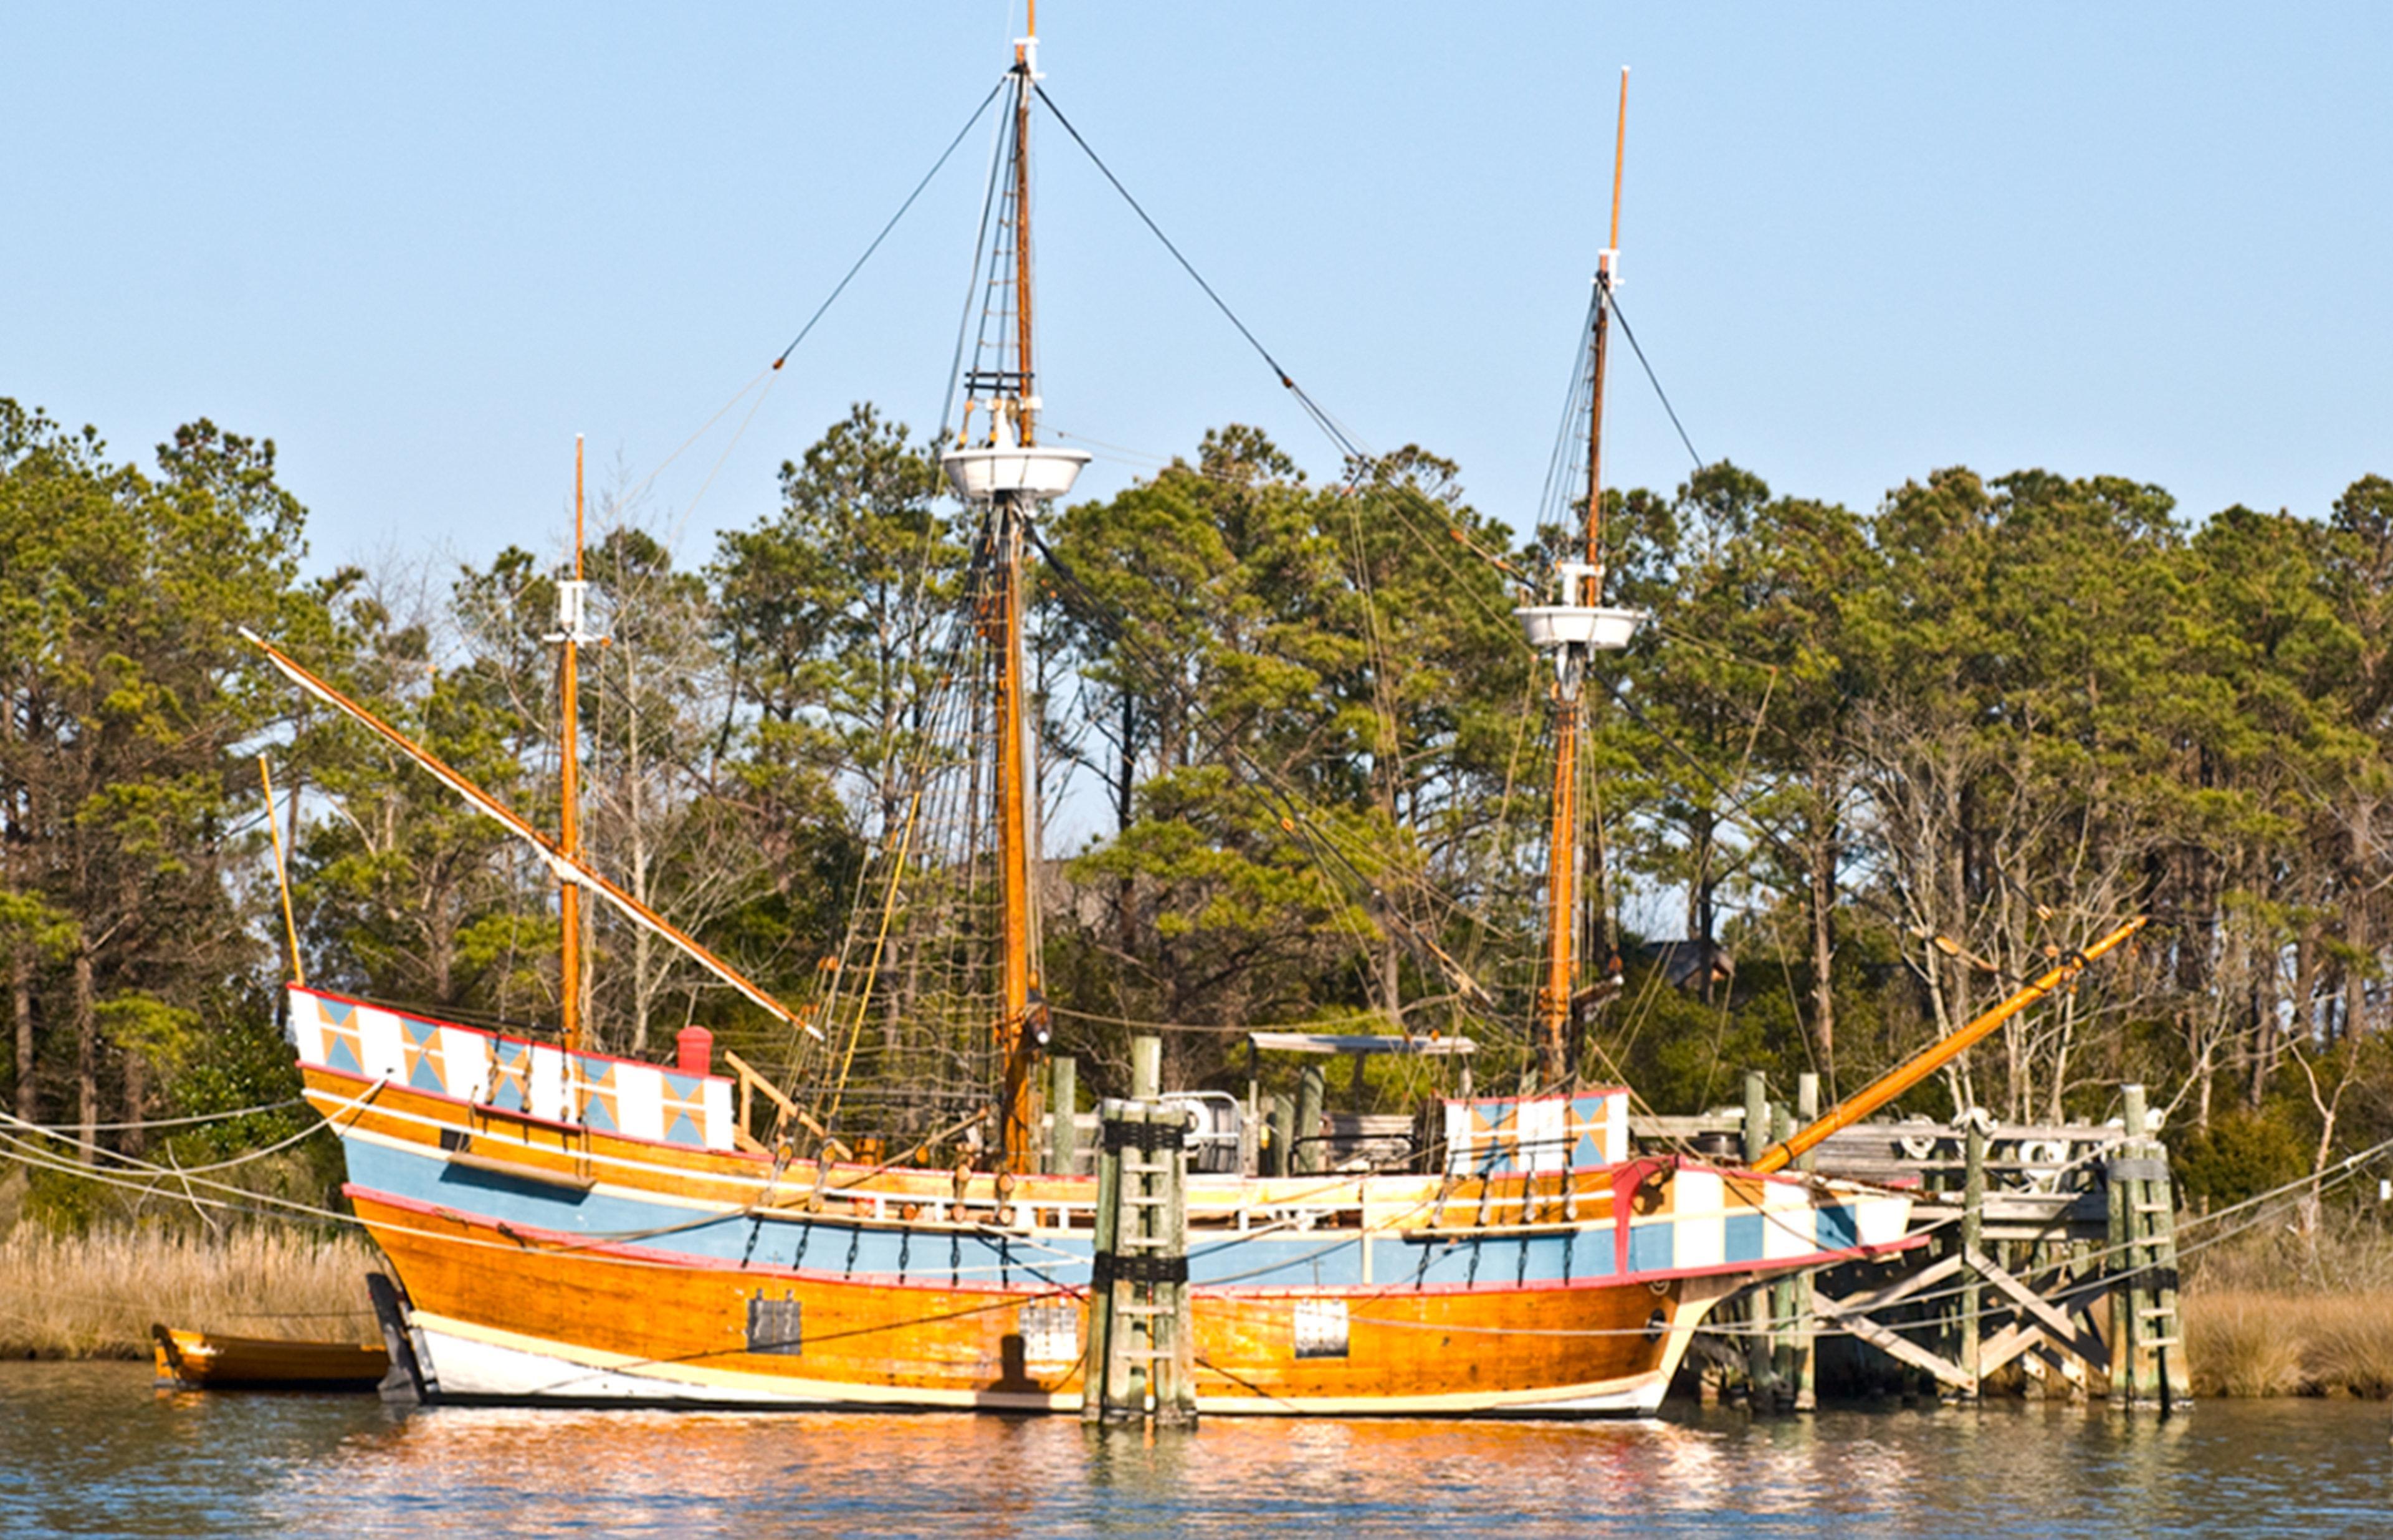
{"type": "Point", "coordinates": [96, 1296]}
{"type": "Point", "coordinates": [2247, 1342]}
{"type": "Point", "coordinates": [1863, 770]}
{"type": "Point", "coordinates": [2259, 1323]}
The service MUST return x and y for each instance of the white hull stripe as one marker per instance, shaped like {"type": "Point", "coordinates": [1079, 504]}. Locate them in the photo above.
{"type": "Point", "coordinates": [483, 1363]}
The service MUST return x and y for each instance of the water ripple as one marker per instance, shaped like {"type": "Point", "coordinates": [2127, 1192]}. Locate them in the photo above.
{"type": "Point", "coordinates": [90, 1450]}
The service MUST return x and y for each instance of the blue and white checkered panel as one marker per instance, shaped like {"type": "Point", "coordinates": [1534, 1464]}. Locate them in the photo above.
{"type": "Point", "coordinates": [1483, 1137]}
{"type": "Point", "coordinates": [1493, 1136]}
{"type": "Point", "coordinates": [1708, 1227]}
{"type": "Point", "coordinates": [640, 1100]}
{"type": "Point", "coordinates": [647, 1101]}
{"type": "Point", "coordinates": [1599, 1128]}
{"type": "Point", "coordinates": [1650, 1247]}
{"type": "Point", "coordinates": [1463, 1150]}
{"type": "Point", "coordinates": [305, 1028]}
{"type": "Point", "coordinates": [1882, 1221]}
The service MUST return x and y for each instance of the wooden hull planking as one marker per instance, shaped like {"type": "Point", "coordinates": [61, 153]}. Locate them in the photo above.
{"type": "Point", "coordinates": [549, 1319]}
{"type": "Point", "coordinates": [548, 1256]}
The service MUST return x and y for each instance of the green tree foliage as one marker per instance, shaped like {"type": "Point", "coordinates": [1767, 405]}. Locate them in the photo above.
{"type": "Point", "coordinates": [124, 694]}
{"type": "Point", "coordinates": [1865, 772]}
{"type": "Point", "coordinates": [409, 895]}
{"type": "Point", "coordinates": [1311, 699]}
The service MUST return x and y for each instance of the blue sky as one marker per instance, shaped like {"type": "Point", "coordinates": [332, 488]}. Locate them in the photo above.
{"type": "Point", "coordinates": [421, 246]}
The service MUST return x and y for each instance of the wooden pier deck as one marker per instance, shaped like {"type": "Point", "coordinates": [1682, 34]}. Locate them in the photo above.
{"type": "Point", "coordinates": [2052, 1265]}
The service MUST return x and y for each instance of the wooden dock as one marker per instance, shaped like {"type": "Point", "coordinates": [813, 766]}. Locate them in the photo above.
{"type": "Point", "coordinates": [2052, 1265]}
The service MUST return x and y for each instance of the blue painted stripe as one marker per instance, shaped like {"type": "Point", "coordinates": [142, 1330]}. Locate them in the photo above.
{"type": "Point", "coordinates": [1741, 1237]}
{"type": "Point", "coordinates": [828, 1246]}
{"type": "Point", "coordinates": [931, 1257]}
{"type": "Point", "coordinates": [1288, 1260]}
{"type": "Point", "coordinates": [1652, 1248]}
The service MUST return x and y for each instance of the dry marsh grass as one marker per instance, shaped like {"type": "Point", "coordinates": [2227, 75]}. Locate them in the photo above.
{"type": "Point", "coordinates": [2252, 1342]}
{"type": "Point", "coordinates": [2236, 1344]}
{"type": "Point", "coordinates": [2278, 1311]}
{"type": "Point", "coordinates": [95, 1296]}
{"type": "Point", "coordinates": [2349, 1343]}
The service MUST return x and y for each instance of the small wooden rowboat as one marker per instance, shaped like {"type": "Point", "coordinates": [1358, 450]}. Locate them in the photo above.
{"type": "Point", "coordinates": [210, 1361]}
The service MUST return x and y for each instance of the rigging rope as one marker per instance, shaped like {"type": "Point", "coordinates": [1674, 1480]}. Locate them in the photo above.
{"type": "Point", "coordinates": [1630, 334]}
{"type": "Point", "coordinates": [1567, 463]}
{"type": "Point", "coordinates": [61, 1132]}
{"type": "Point", "coordinates": [981, 249]}
{"type": "Point", "coordinates": [1345, 442]}
{"type": "Point", "coordinates": [908, 204]}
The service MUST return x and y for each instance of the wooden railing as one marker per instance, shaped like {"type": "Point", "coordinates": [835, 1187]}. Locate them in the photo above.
{"type": "Point", "coordinates": [751, 1083]}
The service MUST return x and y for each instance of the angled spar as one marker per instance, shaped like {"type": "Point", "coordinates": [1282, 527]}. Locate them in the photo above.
{"type": "Point", "coordinates": [569, 869]}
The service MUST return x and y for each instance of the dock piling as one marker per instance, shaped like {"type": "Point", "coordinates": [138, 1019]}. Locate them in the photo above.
{"type": "Point", "coordinates": [1305, 1142]}
{"type": "Point", "coordinates": [1141, 1348]}
{"type": "Point", "coordinates": [2131, 1305]}
{"type": "Point", "coordinates": [1806, 1396]}
{"type": "Point", "coordinates": [1063, 1102]}
{"type": "Point", "coordinates": [1283, 1135]}
{"type": "Point", "coordinates": [1783, 1375]}
{"type": "Point", "coordinates": [1760, 1372]}
{"type": "Point", "coordinates": [1145, 1068]}
{"type": "Point", "coordinates": [2143, 1240]}
{"type": "Point", "coordinates": [1973, 1239]}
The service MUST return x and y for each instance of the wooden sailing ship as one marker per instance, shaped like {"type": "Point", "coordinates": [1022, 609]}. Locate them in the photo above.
{"type": "Point", "coordinates": [572, 1226]}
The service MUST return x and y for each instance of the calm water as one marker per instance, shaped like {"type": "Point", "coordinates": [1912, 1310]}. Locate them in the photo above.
{"type": "Point", "coordinates": [91, 1448]}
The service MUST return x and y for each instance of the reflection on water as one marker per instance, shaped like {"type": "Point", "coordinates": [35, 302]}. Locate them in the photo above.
{"type": "Point", "coordinates": [90, 1449]}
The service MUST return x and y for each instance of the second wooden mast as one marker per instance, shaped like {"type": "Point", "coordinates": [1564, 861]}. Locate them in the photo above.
{"type": "Point", "coordinates": [1568, 630]}
{"type": "Point", "coordinates": [1006, 475]}
{"type": "Point", "coordinates": [572, 616]}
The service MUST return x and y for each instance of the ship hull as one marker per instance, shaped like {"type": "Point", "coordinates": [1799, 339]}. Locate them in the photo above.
{"type": "Point", "coordinates": [560, 1260]}
{"type": "Point", "coordinates": [516, 1315]}
{"type": "Point", "coordinates": [479, 1365]}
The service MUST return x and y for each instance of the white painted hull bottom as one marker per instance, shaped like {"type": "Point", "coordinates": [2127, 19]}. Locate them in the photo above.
{"type": "Point", "coordinates": [468, 1362]}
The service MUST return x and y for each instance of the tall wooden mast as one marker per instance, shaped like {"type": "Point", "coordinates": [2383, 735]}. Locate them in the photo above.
{"type": "Point", "coordinates": [1569, 630]}
{"type": "Point", "coordinates": [1015, 782]}
{"type": "Point", "coordinates": [1010, 476]}
{"type": "Point", "coordinates": [571, 610]}
{"type": "Point", "coordinates": [1026, 54]}
{"type": "Point", "coordinates": [1606, 261]}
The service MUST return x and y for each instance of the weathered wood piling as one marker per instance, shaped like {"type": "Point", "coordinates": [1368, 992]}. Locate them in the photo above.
{"type": "Point", "coordinates": [1305, 1149]}
{"type": "Point", "coordinates": [1140, 1352]}
{"type": "Point", "coordinates": [1063, 1100]}
{"type": "Point", "coordinates": [2147, 1356]}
